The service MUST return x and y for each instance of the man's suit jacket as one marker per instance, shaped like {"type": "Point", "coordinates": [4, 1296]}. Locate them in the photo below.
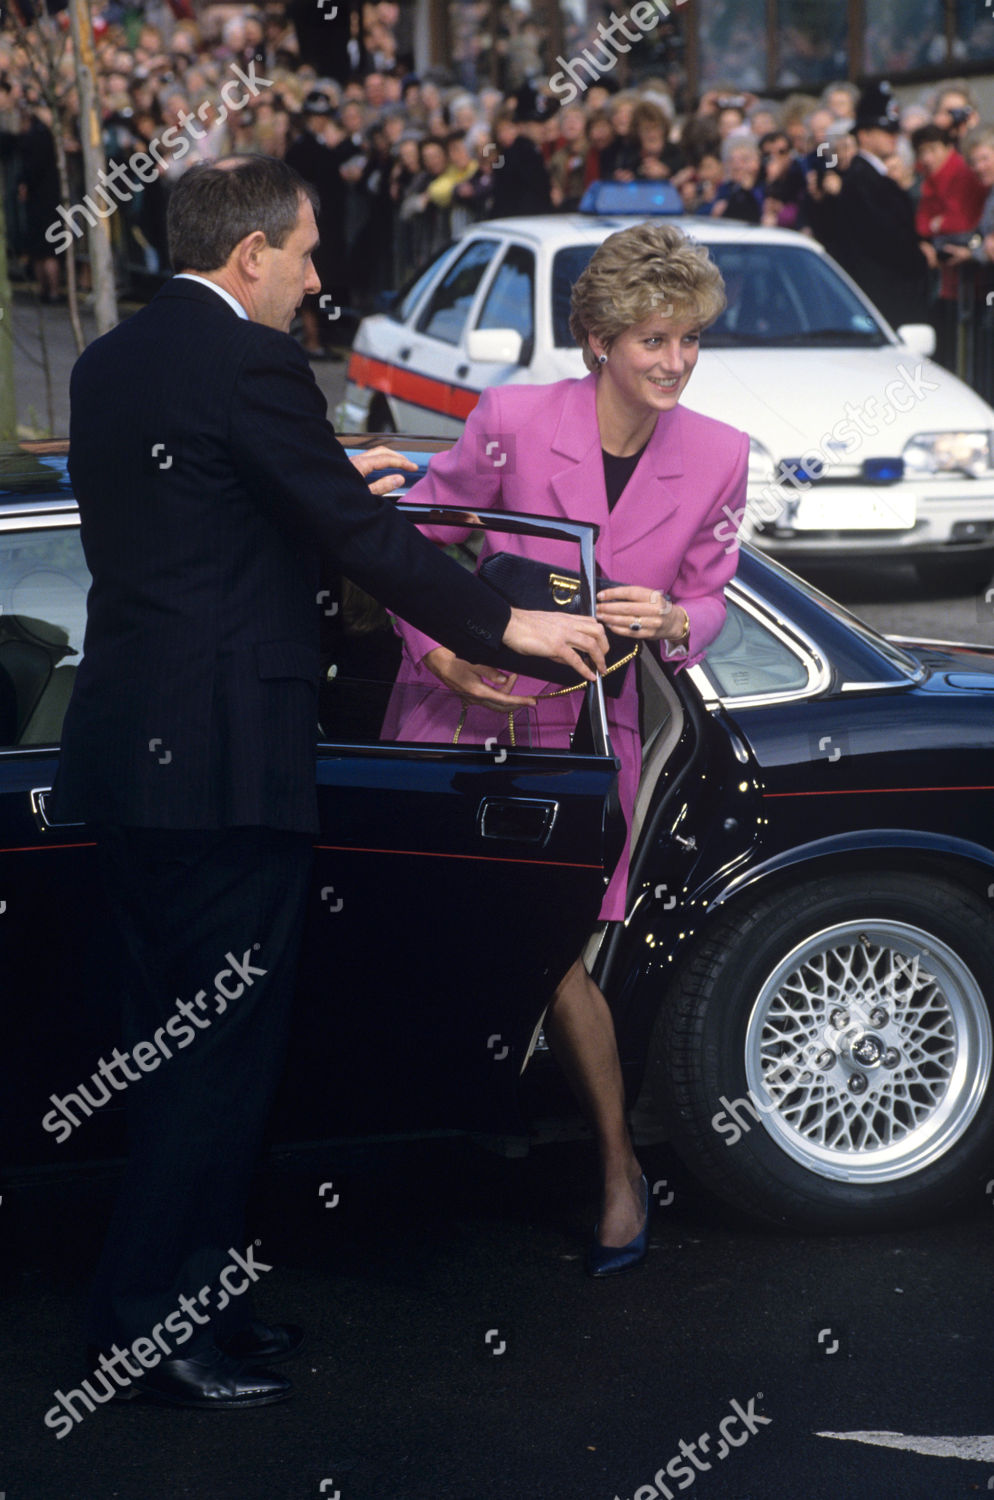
{"type": "Point", "coordinates": [537, 449]}
{"type": "Point", "coordinates": [210, 484]}
{"type": "Point", "coordinates": [869, 227]}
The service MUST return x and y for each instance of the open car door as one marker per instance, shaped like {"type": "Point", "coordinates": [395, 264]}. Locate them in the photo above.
{"type": "Point", "coordinates": [454, 885]}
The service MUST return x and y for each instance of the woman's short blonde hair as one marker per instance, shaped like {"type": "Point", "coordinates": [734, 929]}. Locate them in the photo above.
{"type": "Point", "coordinates": [636, 272]}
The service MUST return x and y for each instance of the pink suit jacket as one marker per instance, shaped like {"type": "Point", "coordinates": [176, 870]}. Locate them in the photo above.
{"type": "Point", "coordinates": [536, 449]}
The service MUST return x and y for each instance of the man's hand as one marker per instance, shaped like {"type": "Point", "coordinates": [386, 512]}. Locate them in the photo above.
{"type": "Point", "coordinates": [478, 686]}
{"type": "Point", "coordinates": [535, 632]}
{"type": "Point", "coordinates": [382, 458]}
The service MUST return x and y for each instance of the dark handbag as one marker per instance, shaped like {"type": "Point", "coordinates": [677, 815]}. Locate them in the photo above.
{"type": "Point", "coordinates": [527, 583]}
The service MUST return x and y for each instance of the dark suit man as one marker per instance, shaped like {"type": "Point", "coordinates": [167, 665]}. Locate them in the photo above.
{"type": "Point", "coordinates": [317, 154]}
{"type": "Point", "coordinates": [866, 220]}
{"type": "Point", "coordinates": [210, 484]}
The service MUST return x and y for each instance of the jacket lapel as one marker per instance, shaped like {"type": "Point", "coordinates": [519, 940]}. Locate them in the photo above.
{"type": "Point", "coordinates": [578, 484]}
{"type": "Point", "coordinates": [654, 491]}
{"type": "Point", "coordinates": [651, 495]}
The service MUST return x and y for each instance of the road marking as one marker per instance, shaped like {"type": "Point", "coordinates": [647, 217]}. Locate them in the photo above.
{"type": "Point", "coordinates": [977, 1449]}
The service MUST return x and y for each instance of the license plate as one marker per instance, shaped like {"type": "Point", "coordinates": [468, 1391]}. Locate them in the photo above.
{"type": "Point", "coordinates": [823, 511]}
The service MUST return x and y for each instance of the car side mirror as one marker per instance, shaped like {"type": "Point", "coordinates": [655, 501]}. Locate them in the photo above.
{"type": "Point", "coordinates": [919, 338]}
{"type": "Point", "coordinates": [495, 346]}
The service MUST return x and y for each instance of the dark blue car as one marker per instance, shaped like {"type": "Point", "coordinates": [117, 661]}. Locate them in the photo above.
{"type": "Point", "coordinates": [804, 984]}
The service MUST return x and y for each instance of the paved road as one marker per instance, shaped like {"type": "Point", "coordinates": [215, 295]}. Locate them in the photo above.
{"type": "Point", "coordinates": [585, 1389]}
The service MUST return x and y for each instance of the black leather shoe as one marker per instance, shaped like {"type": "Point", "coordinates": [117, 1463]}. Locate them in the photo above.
{"type": "Point", "coordinates": [211, 1381]}
{"type": "Point", "coordinates": [268, 1343]}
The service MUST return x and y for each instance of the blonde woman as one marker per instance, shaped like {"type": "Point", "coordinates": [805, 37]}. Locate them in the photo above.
{"type": "Point", "coordinates": [616, 448]}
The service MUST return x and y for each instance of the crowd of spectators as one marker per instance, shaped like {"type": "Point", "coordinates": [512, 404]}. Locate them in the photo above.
{"type": "Point", "coordinates": [402, 161]}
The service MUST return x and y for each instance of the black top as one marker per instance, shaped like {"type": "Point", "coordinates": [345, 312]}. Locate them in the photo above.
{"type": "Point", "coordinates": [617, 472]}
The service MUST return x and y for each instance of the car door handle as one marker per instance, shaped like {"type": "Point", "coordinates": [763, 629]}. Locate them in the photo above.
{"type": "Point", "coordinates": [406, 353]}
{"type": "Point", "coordinates": [520, 820]}
{"type": "Point", "coordinates": [462, 371]}
{"type": "Point", "coordinates": [39, 796]}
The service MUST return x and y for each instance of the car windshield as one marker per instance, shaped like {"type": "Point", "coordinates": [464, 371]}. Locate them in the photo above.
{"type": "Point", "coordinates": [782, 294]}
{"type": "Point", "coordinates": [779, 296]}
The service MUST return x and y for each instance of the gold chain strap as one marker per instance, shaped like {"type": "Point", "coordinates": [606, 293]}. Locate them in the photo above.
{"type": "Point", "coordinates": [556, 693]}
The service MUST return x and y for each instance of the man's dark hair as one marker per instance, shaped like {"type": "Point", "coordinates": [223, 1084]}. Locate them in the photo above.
{"type": "Point", "coordinates": [926, 135]}
{"type": "Point", "coordinates": [214, 206]}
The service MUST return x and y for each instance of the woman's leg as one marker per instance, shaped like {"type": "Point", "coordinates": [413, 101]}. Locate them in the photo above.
{"type": "Point", "coordinates": [580, 1031]}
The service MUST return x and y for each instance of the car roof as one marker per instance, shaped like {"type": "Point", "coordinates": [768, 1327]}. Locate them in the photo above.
{"type": "Point", "coordinates": [571, 229]}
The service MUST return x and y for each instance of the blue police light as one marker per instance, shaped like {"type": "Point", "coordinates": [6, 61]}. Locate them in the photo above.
{"type": "Point", "coordinates": [883, 470]}
{"type": "Point", "coordinates": [642, 198]}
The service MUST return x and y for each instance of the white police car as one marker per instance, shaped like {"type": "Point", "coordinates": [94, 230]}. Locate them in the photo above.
{"type": "Point", "coordinates": [861, 445]}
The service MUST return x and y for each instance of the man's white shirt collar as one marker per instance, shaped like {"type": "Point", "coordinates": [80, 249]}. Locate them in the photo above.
{"type": "Point", "coordinates": [203, 280]}
{"type": "Point", "coordinates": [875, 161]}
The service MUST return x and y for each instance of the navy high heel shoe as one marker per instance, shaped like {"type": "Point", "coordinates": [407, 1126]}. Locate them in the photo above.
{"type": "Point", "coordinates": [606, 1260]}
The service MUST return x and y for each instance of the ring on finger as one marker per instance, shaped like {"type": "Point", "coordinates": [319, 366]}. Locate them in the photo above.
{"type": "Point", "coordinates": [636, 625]}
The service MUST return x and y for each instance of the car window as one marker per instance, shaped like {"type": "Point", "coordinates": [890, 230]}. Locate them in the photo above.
{"type": "Point", "coordinates": [413, 289]}
{"type": "Point", "coordinates": [566, 268]}
{"type": "Point", "coordinates": [781, 294]}
{"type": "Point", "coordinates": [510, 302]}
{"type": "Point", "coordinates": [449, 305]}
{"type": "Point", "coordinates": [372, 693]}
{"type": "Point", "coordinates": [748, 658]}
{"type": "Point", "coordinates": [43, 586]}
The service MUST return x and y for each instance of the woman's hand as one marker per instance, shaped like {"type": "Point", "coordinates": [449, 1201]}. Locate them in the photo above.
{"type": "Point", "coordinates": [642, 614]}
{"type": "Point", "coordinates": [478, 686]}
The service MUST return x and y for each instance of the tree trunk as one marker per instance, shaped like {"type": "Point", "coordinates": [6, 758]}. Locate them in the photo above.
{"type": "Point", "coordinates": [101, 257]}
{"type": "Point", "coordinates": [8, 405]}
{"type": "Point", "coordinates": [72, 285]}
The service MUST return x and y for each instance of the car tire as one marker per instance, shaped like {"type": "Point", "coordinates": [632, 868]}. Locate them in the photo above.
{"type": "Point", "coordinates": [380, 418]}
{"type": "Point", "coordinates": [825, 967]}
{"type": "Point", "coordinates": [967, 573]}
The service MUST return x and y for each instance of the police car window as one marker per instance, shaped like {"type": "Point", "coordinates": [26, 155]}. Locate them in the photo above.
{"type": "Point", "coordinates": [43, 586]}
{"type": "Point", "coordinates": [510, 302]}
{"type": "Point", "coordinates": [449, 306]}
{"type": "Point", "coordinates": [566, 268]}
{"type": "Point", "coordinates": [784, 295]}
{"type": "Point", "coordinates": [413, 289]}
